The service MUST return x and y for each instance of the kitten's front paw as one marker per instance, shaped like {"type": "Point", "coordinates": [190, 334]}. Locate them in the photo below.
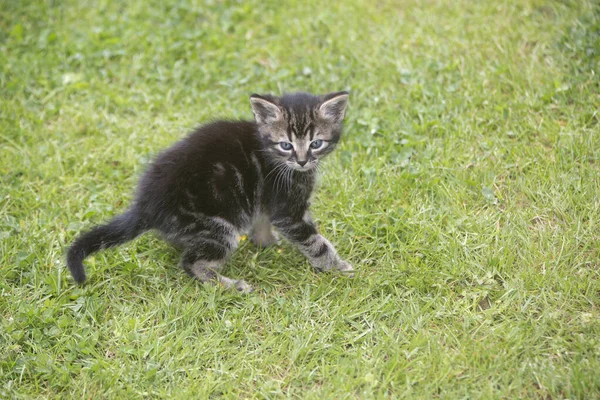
{"type": "Point", "coordinates": [346, 268]}
{"type": "Point", "coordinates": [242, 287]}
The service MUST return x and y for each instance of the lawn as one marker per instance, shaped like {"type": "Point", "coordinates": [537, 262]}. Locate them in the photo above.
{"type": "Point", "coordinates": [466, 192]}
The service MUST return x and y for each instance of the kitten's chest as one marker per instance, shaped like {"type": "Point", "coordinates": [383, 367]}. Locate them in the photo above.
{"type": "Point", "coordinates": [294, 194]}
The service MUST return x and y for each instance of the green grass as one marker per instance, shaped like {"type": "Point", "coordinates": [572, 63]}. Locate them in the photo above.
{"type": "Point", "coordinates": [466, 192]}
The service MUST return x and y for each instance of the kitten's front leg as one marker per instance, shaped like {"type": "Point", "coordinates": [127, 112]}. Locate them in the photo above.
{"type": "Point", "coordinates": [319, 251]}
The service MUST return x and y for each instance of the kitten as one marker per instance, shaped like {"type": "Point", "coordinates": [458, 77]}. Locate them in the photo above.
{"type": "Point", "coordinates": [227, 178]}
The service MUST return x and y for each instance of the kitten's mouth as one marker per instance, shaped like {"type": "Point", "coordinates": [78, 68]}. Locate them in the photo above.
{"type": "Point", "coordinates": [303, 168]}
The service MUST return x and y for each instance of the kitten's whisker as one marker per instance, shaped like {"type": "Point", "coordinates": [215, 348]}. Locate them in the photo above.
{"type": "Point", "coordinates": [278, 176]}
{"type": "Point", "coordinates": [286, 179]}
{"type": "Point", "coordinates": [282, 180]}
{"type": "Point", "coordinates": [278, 166]}
{"type": "Point", "coordinates": [291, 174]}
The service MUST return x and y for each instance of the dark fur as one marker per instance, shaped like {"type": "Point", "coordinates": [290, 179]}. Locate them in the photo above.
{"type": "Point", "coordinates": [214, 184]}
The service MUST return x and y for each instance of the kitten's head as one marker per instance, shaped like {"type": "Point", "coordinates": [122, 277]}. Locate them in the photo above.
{"type": "Point", "coordinates": [299, 129]}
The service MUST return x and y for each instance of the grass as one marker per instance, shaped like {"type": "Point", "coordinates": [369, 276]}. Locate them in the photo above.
{"type": "Point", "coordinates": [466, 192]}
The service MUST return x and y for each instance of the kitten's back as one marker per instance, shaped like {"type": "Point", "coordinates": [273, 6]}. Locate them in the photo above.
{"type": "Point", "coordinates": [204, 171]}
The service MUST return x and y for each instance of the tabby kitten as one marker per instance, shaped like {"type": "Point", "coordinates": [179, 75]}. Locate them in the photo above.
{"type": "Point", "coordinates": [228, 178]}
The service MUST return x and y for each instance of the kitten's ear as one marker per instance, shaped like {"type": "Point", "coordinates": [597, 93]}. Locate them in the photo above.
{"type": "Point", "coordinates": [265, 110]}
{"type": "Point", "coordinates": [334, 106]}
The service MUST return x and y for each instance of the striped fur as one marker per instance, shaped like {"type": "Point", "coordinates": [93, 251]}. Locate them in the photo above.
{"type": "Point", "coordinates": [228, 178]}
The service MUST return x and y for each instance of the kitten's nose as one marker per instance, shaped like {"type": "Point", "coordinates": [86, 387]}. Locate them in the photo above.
{"type": "Point", "coordinates": [302, 163]}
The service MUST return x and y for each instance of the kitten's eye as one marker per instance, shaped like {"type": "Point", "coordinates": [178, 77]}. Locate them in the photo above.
{"type": "Point", "coordinates": [287, 146]}
{"type": "Point", "coordinates": [316, 144]}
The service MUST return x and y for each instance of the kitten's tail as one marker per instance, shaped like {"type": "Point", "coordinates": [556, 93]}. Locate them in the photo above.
{"type": "Point", "coordinates": [121, 229]}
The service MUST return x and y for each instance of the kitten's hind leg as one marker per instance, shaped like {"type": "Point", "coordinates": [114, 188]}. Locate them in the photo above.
{"type": "Point", "coordinates": [262, 233]}
{"type": "Point", "coordinates": [204, 262]}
